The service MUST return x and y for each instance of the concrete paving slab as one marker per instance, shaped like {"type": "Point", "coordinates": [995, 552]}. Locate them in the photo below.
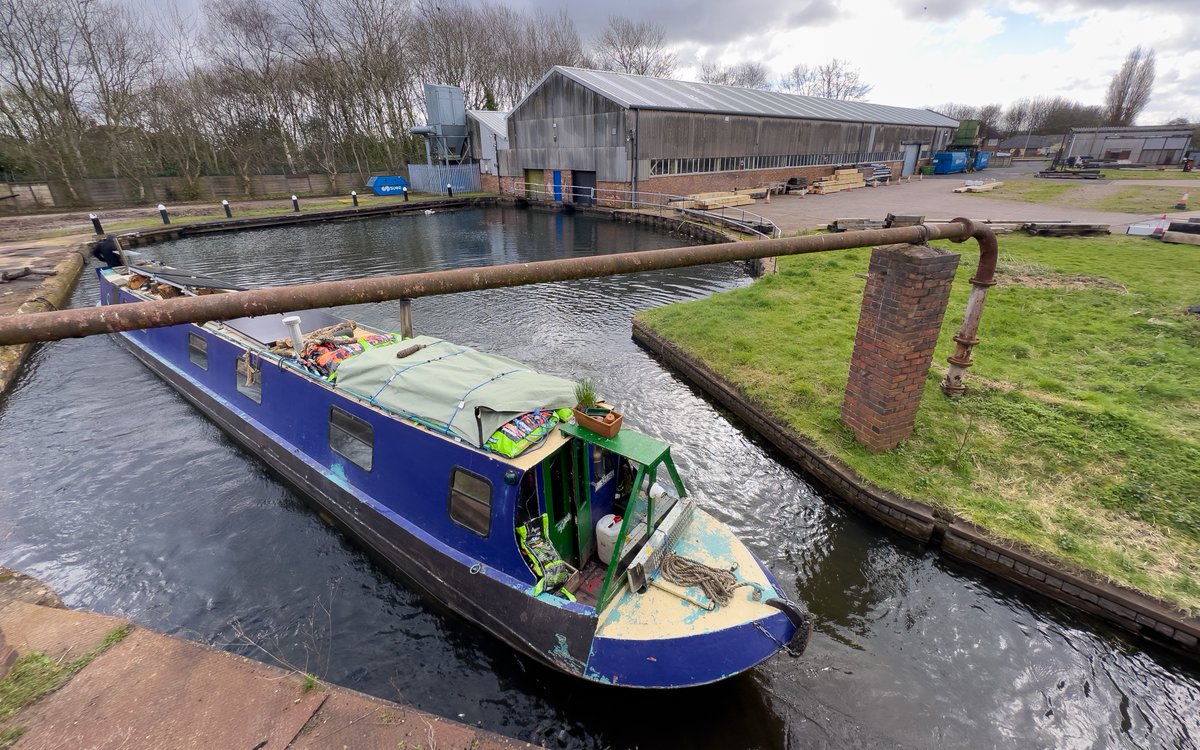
{"type": "Point", "coordinates": [153, 691]}
{"type": "Point", "coordinates": [353, 720]}
{"type": "Point", "coordinates": [58, 633]}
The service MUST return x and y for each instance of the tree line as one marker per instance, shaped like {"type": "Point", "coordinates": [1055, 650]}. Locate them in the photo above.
{"type": "Point", "coordinates": [90, 88]}
{"type": "Point", "coordinates": [1127, 95]}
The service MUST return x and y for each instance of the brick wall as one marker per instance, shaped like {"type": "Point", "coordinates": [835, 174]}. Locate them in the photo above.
{"type": "Point", "coordinates": [908, 287]}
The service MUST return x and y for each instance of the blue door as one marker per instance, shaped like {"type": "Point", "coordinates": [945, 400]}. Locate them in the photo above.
{"type": "Point", "coordinates": [558, 186]}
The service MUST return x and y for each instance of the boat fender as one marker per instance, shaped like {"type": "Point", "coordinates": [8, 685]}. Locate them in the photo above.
{"type": "Point", "coordinates": [800, 618]}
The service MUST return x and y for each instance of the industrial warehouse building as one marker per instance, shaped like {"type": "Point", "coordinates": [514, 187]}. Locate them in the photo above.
{"type": "Point", "coordinates": [1166, 144]}
{"type": "Point", "coordinates": [582, 129]}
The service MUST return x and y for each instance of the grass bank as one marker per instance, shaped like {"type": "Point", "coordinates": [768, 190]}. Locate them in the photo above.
{"type": "Point", "coordinates": [1080, 435]}
{"type": "Point", "coordinates": [1150, 174]}
{"type": "Point", "coordinates": [1132, 199]}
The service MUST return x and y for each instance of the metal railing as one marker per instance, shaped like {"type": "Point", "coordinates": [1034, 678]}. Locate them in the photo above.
{"type": "Point", "coordinates": [433, 178]}
{"type": "Point", "coordinates": [730, 216]}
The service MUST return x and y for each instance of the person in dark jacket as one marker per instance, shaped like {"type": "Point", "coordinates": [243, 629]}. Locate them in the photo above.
{"type": "Point", "coordinates": [106, 251]}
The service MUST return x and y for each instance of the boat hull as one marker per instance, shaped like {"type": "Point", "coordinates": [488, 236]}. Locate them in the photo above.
{"type": "Point", "coordinates": [555, 635]}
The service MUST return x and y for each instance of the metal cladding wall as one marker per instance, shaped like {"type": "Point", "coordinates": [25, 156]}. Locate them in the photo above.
{"type": "Point", "coordinates": [563, 125]}
{"type": "Point", "coordinates": [1145, 145]}
{"type": "Point", "coordinates": [669, 135]}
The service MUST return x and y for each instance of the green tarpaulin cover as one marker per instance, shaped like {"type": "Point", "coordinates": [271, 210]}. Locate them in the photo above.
{"type": "Point", "coordinates": [464, 390]}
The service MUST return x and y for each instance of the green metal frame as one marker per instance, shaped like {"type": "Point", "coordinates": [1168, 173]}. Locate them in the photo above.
{"type": "Point", "coordinates": [649, 454]}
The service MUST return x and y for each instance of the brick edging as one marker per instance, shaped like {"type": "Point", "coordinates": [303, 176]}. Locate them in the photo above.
{"type": "Point", "coordinates": [1132, 611]}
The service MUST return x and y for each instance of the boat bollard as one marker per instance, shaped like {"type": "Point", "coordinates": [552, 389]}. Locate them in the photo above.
{"type": "Point", "coordinates": [354, 198]}
{"type": "Point", "coordinates": [96, 224]}
{"type": "Point", "coordinates": [162, 211]}
{"type": "Point", "coordinates": [406, 193]}
{"type": "Point", "coordinates": [228, 211]}
{"type": "Point", "coordinates": [449, 190]}
{"type": "Point", "coordinates": [295, 204]}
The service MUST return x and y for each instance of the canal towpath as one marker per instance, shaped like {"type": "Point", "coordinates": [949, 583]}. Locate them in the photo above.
{"type": "Point", "coordinates": [146, 689]}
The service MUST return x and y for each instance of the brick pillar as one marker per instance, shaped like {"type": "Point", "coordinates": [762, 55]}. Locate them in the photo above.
{"type": "Point", "coordinates": [898, 326]}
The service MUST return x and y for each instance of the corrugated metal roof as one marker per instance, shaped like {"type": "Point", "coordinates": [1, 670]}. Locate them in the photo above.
{"type": "Point", "coordinates": [644, 92]}
{"type": "Point", "coordinates": [497, 121]}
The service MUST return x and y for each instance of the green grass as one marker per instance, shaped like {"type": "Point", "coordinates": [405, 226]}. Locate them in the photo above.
{"type": "Point", "coordinates": [1080, 434]}
{"type": "Point", "coordinates": [1139, 199]}
{"type": "Point", "coordinates": [9, 736]}
{"type": "Point", "coordinates": [1139, 174]}
{"type": "Point", "coordinates": [35, 674]}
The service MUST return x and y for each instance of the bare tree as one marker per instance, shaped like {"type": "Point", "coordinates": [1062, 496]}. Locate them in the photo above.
{"type": "Point", "coordinates": [639, 48]}
{"type": "Point", "coordinates": [836, 79]}
{"type": "Point", "coordinates": [38, 49]}
{"type": "Point", "coordinates": [1130, 89]}
{"type": "Point", "coordinates": [747, 75]}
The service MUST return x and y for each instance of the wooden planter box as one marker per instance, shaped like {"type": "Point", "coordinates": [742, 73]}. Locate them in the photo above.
{"type": "Point", "coordinates": [597, 424]}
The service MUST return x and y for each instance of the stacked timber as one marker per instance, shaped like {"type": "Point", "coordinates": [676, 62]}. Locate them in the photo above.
{"type": "Point", "coordinates": [1066, 229]}
{"type": "Point", "coordinates": [903, 220]}
{"type": "Point", "coordinates": [978, 186]}
{"type": "Point", "coordinates": [842, 179]}
{"type": "Point", "coordinates": [709, 201]}
{"type": "Point", "coordinates": [854, 225]}
{"type": "Point", "coordinates": [1182, 233]}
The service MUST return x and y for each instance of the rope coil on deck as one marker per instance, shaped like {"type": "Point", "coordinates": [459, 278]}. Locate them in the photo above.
{"type": "Point", "coordinates": [717, 584]}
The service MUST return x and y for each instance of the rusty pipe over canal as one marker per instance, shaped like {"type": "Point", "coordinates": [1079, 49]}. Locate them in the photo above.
{"type": "Point", "coordinates": [89, 321]}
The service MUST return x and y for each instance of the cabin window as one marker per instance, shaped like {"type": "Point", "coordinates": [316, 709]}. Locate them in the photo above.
{"type": "Point", "coordinates": [249, 377]}
{"type": "Point", "coordinates": [198, 350]}
{"type": "Point", "coordinates": [351, 437]}
{"type": "Point", "coordinates": [471, 501]}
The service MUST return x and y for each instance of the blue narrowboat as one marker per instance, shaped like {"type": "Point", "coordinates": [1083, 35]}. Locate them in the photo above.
{"type": "Point", "coordinates": [469, 474]}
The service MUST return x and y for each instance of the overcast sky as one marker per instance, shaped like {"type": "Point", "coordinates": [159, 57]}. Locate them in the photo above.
{"type": "Point", "coordinates": [919, 53]}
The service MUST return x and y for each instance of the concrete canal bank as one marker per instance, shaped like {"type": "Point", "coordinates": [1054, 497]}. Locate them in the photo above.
{"type": "Point", "coordinates": [1129, 610]}
{"type": "Point", "coordinates": [50, 269]}
{"type": "Point", "coordinates": [102, 682]}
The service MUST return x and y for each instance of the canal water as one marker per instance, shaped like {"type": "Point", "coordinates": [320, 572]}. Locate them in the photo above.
{"type": "Point", "coordinates": [128, 502]}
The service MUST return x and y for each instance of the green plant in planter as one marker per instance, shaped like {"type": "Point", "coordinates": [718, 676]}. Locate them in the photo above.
{"type": "Point", "coordinates": [585, 395]}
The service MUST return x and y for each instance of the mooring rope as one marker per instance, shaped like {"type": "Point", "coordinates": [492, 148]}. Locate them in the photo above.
{"type": "Point", "coordinates": [718, 584]}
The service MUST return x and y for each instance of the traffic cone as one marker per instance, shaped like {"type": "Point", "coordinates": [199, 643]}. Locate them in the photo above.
{"type": "Point", "coordinates": [1182, 204]}
{"type": "Point", "coordinates": [768, 195]}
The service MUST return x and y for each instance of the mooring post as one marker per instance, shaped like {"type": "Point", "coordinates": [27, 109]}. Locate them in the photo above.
{"type": "Point", "coordinates": [96, 224]}
{"type": "Point", "coordinates": [405, 188]}
{"type": "Point", "coordinates": [406, 326]}
{"type": "Point", "coordinates": [295, 204]}
{"type": "Point", "coordinates": [354, 198]}
{"type": "Point", "coordinates": [449, 190]}
{"type": "Point", "coordinates": [162, 211]}
{"type": "Point", "coordinates": [228, 211]}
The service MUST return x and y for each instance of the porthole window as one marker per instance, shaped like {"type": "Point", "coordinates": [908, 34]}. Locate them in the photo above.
{"type": "Point", "coordinates": [249, 377]}
{"type": "Point", "coordinates": [198, 350]}
{"type": "Point", "coordinates": [471, 501]}
{"type": "Point", "coordinates": [351, 437]}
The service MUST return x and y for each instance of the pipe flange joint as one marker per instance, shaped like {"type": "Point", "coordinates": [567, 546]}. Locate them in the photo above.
{"type": "Point", "coordinates": [965, 341]}
{"type": "Point", "coordinates": [970, 226]}
{"type": "Point", "coordinates": [963, 362]}
{"type": "Point", "coordinates": [976, 282]}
